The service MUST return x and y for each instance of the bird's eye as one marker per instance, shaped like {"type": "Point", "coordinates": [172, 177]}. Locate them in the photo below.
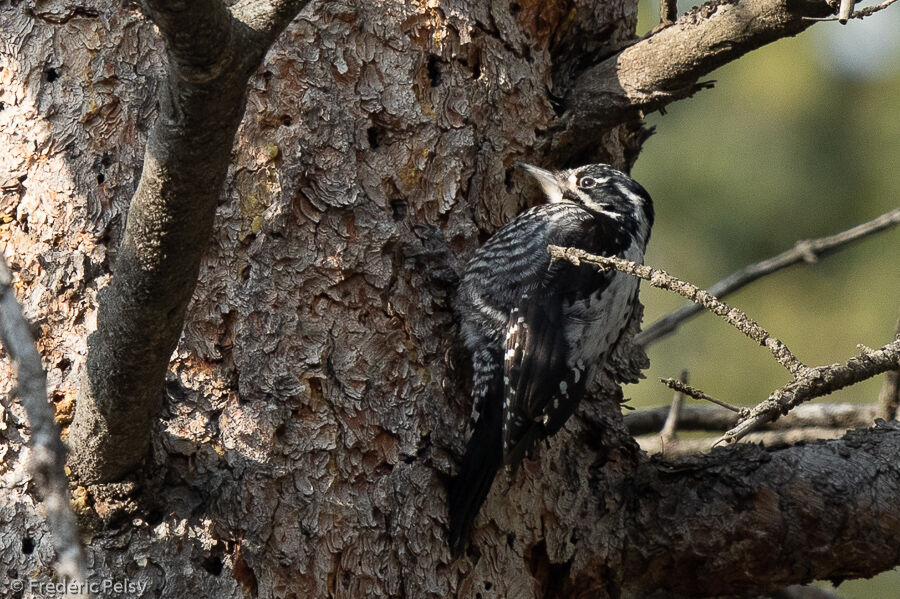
{"type": "Point", "coordinates": [586, 182]}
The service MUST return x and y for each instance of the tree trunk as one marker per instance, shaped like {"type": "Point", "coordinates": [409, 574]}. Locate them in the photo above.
{"type": "Point", "coordinates": [316, 403]}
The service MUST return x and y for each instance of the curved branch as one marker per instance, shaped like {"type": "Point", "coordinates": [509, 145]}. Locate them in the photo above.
{"type": "Point", "coordinates": [759, 519]}
{"type": "Point", "coordinates": [808, 250]}
{"type": "Point", "coordinates": [211, 55]}
{"type": "Point", "coordinates": [667, 65]}
{"type": "Point", "coordinates": [48, 454]}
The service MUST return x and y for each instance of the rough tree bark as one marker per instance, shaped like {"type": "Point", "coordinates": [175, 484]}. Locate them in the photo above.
{"type": "Point", "coordinates": [210, 54]}
{"type": "Point", "coordinates": [316, 402]}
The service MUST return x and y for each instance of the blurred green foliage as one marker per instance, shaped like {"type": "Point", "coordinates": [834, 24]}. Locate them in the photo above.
{"type": "Point", "coordinates": [796, 140]}
{"type": "Point", "coordinates": [781, 149]}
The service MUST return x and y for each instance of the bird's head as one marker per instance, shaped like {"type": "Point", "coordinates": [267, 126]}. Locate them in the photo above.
{"type": "Point", "coordinates": [597, 188]}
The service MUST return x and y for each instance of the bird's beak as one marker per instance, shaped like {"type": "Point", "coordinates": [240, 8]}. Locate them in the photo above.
{"type": "Point", "coordinates": [549, 182]}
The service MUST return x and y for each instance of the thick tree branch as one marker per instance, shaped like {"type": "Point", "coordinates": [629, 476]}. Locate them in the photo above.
{"type": "Point", "coordinates": [48, 454]}
{"type": "Point", "coordinates": [760, 519]}
{"type": "Point", "coordinates": [666, 66]}
{"type": "Point", "coordinates": [709, 418]}
{"type": "Point", "coordinates": [808, 250]}
{"type": "Point", "coordinates": [211, 55]}
{"type": "Point", "coordinates": [268, 18]}
{"type": "Point", "coordinates": [196, 32]}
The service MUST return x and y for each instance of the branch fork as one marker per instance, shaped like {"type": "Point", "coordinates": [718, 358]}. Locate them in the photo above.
{"type": "Point", "coordinates": [808, 382]}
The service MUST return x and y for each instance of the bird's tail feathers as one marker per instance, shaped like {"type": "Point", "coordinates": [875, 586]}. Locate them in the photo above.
{"type": "Point", "coordinates": [470, 487]}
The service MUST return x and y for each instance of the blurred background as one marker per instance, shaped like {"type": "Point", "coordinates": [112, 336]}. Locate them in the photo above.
{"type": "Point", "coordinates": [797, 140]}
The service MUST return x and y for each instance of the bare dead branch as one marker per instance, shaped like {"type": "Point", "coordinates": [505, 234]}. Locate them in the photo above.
{"type": "Point", "coordinates": [662, 280]}
{"type": "Point", "coordinates": [847, 5]}
{"type": "Point", "coordinates": [681, 387]}
{"type": "Point", "coordinates": [889, 398]}
{"type": "Point", "coordinates": [803, 251]}
{"type": "Point", "coordinates": [817, 382]}
{"type": "Point", "coordinates": [674, 448]}
{"type": "Point", "coordinates": [756, 499]}
{"type": "Point", "coordinates": [48, 454]}
{"type": "Point", "coordinates": [845, 9]}
{"type": "Point", "coordinates": [668, 11]}
{"type": "Point", "coordinates": [708, 418]}
{"type": "Point", "coordinates": [667, 65]}
{"type": "Point", "coordinates": [670, 427]}
{"type": "Point", "coordinates": [211, 56]}
{"type": "Point", "coordinates": [808, 382]}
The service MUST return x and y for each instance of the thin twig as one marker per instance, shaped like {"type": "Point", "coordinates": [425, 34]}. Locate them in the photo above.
{"type": "Point", "coordinates": [662, 280]}
{"type": "Point", "coordinates": [844, 15]}
{"type": "Point", "coordinates": [668, 11]}
{"type": "Point", "coordinates": [816, 382]}
{"type": "Point", "coordinates": [803, 251]}
{"type": "Point", "coordinates": [670, 427]}
{"type": "Point", "coordinates": [845, 10]}
{"type": "Point", "coordinates": [711, 418]}
{"type": "Point", "coordinates": [889, 398]}
{"type": "Point", "coordinates": [48, 454]}
{"type": "Point", "coordinates": [698, 394]}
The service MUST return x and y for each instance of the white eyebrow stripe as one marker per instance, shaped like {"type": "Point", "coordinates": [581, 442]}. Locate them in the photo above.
{"type": "Point", "coordinates": [635, 198]}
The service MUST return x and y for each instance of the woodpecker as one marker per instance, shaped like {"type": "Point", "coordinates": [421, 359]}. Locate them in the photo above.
{"type": "Point", "coordinates": [539, 331]}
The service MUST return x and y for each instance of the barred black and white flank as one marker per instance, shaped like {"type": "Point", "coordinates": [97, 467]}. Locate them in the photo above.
{"type": "Point", "coordinates": [539, 331]}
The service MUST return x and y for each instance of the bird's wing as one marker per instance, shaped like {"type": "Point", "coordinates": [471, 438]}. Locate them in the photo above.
{"type": "Point", "coordinates": [541, 389]}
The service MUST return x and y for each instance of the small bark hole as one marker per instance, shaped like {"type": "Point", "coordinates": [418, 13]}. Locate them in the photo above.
{"type": "Point", "coordinates": [508, 179]}
{"type": "Point", "coordinates": [213, 565]}
{"type": "Point", "coordinates": [375, 135]}
{"type": "Point", "coordinates": [399, 208]}
{"type": "Point", "coordinates": [476, 66]}
{"type": "Point", "coordinates": [434, 70]}
{"type": "Point", "coordinates": [155, 517]}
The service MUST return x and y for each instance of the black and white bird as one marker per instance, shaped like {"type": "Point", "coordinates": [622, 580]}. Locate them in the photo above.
{"type": "Point", "coordinates": [539, 331]}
